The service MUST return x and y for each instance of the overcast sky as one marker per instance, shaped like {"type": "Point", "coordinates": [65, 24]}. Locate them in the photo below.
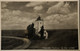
{"type": "Point", "coordinates": [56, 15]}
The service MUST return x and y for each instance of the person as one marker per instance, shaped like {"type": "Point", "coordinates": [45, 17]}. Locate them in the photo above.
{"type": "Point", "coordinates": [28, 28]}
{"type": "Point", "coordinates": [45, 34]}
{"type": "Point", "coordinates": [42, 32]}
{"type": "Point", "coordinates": [31, 31]}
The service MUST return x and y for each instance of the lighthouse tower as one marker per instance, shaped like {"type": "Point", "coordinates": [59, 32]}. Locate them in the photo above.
{"type": "Point", "coordinates": [38, 24]}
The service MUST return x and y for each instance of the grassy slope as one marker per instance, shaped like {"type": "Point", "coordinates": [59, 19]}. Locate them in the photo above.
{"type": "Point", "coordinates": [57, 39]}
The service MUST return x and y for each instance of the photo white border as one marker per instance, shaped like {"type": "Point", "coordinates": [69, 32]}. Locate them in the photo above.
{"type": "Point", "coordinates": [41, 1]}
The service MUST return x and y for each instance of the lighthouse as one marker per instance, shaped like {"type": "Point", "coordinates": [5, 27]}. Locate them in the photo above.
{"type": "Point", "coordinates": [36, 29]}
{"type": "Point", "coordinates": [38, 24]}
{"type": "Point", "coordinates": [39, 28]}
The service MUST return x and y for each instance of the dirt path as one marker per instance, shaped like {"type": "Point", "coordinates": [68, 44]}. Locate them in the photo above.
{"type": "Point", "coordinates": [26, 42]}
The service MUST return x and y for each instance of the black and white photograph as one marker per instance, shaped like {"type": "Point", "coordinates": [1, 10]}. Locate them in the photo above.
{"type": "Point", "coordinates": [39, 25]}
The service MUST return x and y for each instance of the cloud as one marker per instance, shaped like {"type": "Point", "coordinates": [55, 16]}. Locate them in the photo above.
{"type": "Point", "coordinates": [4, 4]}
{"type": "Point", "coordinates": [59, 8]}
{"type": "Point", "coordinates": [19, 18]}
{"type": "Point", "coordinates": [32, 4]}
{"type": "Point", "coordinates": [59, 21]}
{"type": "Point", "coordinates": [16, 12]}
{"type": "Point", "coordinates": [16, 19]}
{"type": "Point", "coordinates": [38, 8]}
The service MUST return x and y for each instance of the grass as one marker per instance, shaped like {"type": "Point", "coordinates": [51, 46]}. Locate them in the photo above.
{"type": "Point", "coordinates": [58, 39]}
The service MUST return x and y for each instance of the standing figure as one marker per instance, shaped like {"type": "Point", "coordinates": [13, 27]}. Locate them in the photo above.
{"type": "Point", "coordinates": [42, 32]}
{"type": "Point", "coordinates": [31, 31]}
{"type": "Point", "coordinates": [45, 34]}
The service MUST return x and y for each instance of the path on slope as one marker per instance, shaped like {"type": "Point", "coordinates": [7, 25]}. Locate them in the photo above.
{"type": "Point", "coordinates": [25, 44]}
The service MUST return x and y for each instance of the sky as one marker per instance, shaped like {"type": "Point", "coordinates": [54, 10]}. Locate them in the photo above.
{"type": "Point", "coordinates": [56, 14]}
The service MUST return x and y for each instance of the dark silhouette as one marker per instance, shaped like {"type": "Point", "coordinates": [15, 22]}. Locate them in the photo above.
{"type": "Point", "coordinates": [42, 32]}
{"type": "Point", "coordinates": [31, 31]}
